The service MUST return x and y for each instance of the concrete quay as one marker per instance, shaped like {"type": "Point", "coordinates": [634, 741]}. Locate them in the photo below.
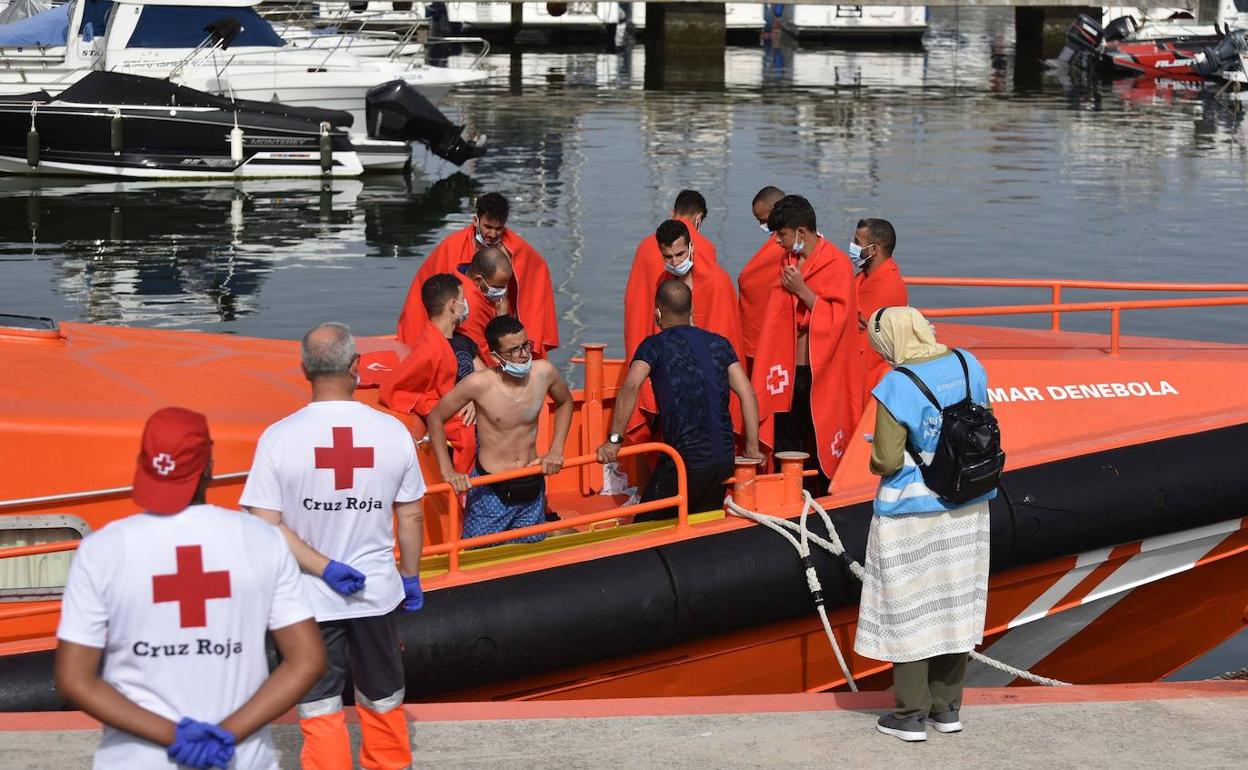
{"type": "Point", "coordinates": [1189, 724]}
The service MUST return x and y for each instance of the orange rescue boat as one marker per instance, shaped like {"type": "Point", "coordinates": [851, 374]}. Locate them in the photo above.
{"type": "Point", "coordinates": [1119, 540]}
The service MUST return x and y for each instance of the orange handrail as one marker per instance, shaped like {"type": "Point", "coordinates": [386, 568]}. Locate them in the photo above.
{"type": "Point", "coordinates": [1114, 308]}
{"type": "Point", "coordinates": [1055, 286]}
{"type": "Point", "coordinates": [458, 543]}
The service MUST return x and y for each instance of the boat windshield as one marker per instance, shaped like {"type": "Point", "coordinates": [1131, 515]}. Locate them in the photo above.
{"type": "Point", "coordinates": [94, 18]}
{"type": "Point", "coordinates": [181, 26]}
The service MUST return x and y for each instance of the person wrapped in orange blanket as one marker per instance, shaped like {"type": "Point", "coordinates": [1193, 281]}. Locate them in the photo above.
{"type": "Point", "coordinates": [485, 280]}
{"type": "Point", "coordinates": [759, 275]}
{"type": "Point", "coordinates": [878, 284]}
{"type": "Point", "coordinates": [530, 294]}
{"type": "Point", "coordinates": [440, 357]}
{"type": "Point", "coordinates": [714, 306]}
{"type": "Point", "coordinates": [808, 368]}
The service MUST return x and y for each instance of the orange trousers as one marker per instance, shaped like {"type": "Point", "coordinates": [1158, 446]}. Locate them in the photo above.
{"type": "Point", "coordinates": [386, 743]}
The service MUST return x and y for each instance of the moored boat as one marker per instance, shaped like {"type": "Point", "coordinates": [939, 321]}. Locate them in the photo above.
{"type": "Point", "coordinates": [1119, 542]}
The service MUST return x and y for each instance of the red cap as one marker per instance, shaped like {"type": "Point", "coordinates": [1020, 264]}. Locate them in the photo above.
{"type": "Point", "coordinates": [175, 450]}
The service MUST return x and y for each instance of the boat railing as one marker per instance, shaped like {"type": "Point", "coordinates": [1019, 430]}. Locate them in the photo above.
{"type": "Point", "coordinates": [454, 547]}
{"type": "Point", "coordinates": [1056, 307]}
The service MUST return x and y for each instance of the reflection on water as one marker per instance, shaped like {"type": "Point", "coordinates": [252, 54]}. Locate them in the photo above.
{"type": "Point", "coordinates": [984, 168]}
{"type": "Point", "coordinates": [981, 177]}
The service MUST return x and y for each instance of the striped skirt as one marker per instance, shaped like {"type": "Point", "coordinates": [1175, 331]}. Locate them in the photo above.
{"type": "Point", "coordinates": [926, 585]}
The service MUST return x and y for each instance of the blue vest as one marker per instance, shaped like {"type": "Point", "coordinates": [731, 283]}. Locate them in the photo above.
{"type": "Point", "coordinates": [904, 491]}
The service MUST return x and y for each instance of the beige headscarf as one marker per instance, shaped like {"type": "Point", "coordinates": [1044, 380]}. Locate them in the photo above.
{"type": "Point", "coordinates": [901, 334]}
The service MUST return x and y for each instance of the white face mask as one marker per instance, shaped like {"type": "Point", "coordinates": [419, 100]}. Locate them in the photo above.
{"type": "Point", "coordinates": [518, 370]}
{"type": "Point", "coordinates": [798, 247]}
{"type": "Point", "coordinates": [683, 268]}
{"type": "Point", "coordinates": [679, 270]}
{"type": "Point", "coordinates": [463, 316]}
{"type": "Point", "coordinates": [855, 255]}
{"type": "Point", "coordinates": [495, 292]}
{"type": "Point", "coordinates": [763, 226]}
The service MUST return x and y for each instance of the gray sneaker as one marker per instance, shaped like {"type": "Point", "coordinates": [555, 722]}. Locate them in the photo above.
{"type": "Point", "coordinates": [910, 729]}
{"type": "Point", "coordinates": [945, 722]}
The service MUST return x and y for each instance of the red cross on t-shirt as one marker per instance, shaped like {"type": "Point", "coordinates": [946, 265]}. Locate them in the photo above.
{"type": "Point", "coordinates": [191, 587]}
{"type": "Point", "coordinates": [344, 457]}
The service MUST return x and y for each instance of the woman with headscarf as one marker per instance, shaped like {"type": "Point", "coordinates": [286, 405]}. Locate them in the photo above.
{"type": "Point", "coordinates": [926, 583]}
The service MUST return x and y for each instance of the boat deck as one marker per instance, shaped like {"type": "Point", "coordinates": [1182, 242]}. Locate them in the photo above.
{"type": "Point", "coordinates": [1189, 724]}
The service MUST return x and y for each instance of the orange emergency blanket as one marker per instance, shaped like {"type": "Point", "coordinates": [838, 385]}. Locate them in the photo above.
{"type": "Point", "coordinates": [835, 358]}
{"type": "Point", "coordinates": [883, 287]}
{"type": "Point", "coordinates": [714, 309]}
{"type": "Point", "coordinates": [480, 312]}
{"type": "Point", "coordinates": [530, 293]}
{"type": "Point", "coordinates": [755, 283]}
{"type": "Point", "coordinates": [421, 380]}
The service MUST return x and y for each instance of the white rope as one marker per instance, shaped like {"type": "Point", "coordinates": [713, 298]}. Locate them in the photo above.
{"type": "Point", "coordinates": [834, 546]}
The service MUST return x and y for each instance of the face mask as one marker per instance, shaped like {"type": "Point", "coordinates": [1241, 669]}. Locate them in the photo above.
{"type": "Point", "coordinates": [517, 370]}
{"type": "Point", "coordinates": [855, 255]}
{"type": "Point", "coordinates": [679, 270]}
{"type": "Point", "coordinates": [763, 226]}
{"type": "Point", "coordinates": [484, 242]}
{"type": "Point", "coordinates": [495, 292]}
{"type": "Point", "coordinates": [467, 308]}
{"type": "Point", "coordinates": [798, 247]}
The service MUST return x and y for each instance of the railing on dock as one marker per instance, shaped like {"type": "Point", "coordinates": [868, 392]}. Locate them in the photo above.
{"type": "Point", "coordinates": [1056, 307]}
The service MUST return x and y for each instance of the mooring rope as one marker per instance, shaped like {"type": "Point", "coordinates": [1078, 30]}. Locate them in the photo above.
{"type": "Point", "coordinates": [834, 546]}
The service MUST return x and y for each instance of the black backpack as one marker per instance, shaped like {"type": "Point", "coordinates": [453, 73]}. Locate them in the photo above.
{"type": "Point", "coordinates": [968, 458]}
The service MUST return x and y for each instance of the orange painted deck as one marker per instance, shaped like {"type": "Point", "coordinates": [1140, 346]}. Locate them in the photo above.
{"type": "Point", "coordinates": [1150, 725]}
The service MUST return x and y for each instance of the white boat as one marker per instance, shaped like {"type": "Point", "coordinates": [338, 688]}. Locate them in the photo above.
{"type": "Point", "coordinates": [1195, 20]}
{"type": "Point", "coordinates": [167, 39]}
{"type": "Point", "coordinates": [566, 17]}
{"type": "Point", "coordinates": [854, 21]}
{"type": "Point", "coordinates": [738, 17]}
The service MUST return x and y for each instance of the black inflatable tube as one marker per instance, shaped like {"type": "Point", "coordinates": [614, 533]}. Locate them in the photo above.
{"type": "Point", "coordinates": [506, 629]}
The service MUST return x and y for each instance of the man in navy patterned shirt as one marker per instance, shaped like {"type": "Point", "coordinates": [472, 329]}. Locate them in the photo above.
{"type": "Point", "coordinates": [692, 371]}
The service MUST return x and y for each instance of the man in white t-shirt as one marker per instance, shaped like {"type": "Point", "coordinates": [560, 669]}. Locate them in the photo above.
{"type": "Point", "coordinates": [176, 602]}
{"type": "Point", "coordinates": [333, 476]}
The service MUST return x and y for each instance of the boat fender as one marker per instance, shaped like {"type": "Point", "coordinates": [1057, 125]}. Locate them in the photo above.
{"type": "Point", "coordinates": [236, 142]}
{"type": "Point", "coordinates": [327, 149]}
{"type": "Point", "coordinates": [116, 132]}
{"type": "Point", "coordinates": [32, 139]}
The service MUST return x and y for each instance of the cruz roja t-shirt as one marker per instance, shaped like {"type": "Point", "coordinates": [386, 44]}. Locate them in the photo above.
{"type": "Point", "coordinates": [180, 605]}
{"type": "Point", "coordinates": [335, 470]}
{"type": "Point", "coordinates": [689, 373]}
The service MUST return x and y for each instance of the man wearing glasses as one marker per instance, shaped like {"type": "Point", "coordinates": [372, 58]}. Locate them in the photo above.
{"type": "Point", "coordinates": [510, 398]}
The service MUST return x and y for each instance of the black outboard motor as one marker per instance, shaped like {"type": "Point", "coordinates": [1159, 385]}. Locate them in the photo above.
{"type": "Point", "coordinates": [1083, 41]}
{"type": "Point", "coordinates": [1224, 55]}
{"type": "Point", "coordinates": [397, 111]}
{"type": "Point", "coordinates": [1120, 28]}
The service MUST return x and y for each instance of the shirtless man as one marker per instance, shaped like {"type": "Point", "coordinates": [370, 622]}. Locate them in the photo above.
{"type": "Point", "coordinates": [509, 401]}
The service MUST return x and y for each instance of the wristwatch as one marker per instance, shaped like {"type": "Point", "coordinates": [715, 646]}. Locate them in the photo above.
{"type": "Point", "coordinates": [615, 438]}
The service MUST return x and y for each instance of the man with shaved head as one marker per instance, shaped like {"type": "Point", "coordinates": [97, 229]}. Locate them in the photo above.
{"type": "Point", "coordinates": [692, 371]}
{"type": "Point", "coordinates": [485, 281]}
{"type": "Point", "coordinates": [759, 275]}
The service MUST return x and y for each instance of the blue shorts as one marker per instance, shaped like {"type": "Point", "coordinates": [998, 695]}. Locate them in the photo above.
{"type": "Point", "coordinates": [486, 513]}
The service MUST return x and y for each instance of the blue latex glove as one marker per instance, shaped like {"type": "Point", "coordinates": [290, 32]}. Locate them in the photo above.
{"type": "Point", "coordinates": [201, 745]}
{"type": "Point", "coordinates": [343, 578]}
{"type": "Point", "coordinates": [413, 596]}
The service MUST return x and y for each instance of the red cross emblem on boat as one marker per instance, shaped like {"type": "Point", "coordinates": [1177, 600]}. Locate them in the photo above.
{"type": "Point", "coordinates": [191, 587]}
{"type": "Point", "coordinates": [777, 379]}
{"type": "Point", "coordinates": [344, 457]}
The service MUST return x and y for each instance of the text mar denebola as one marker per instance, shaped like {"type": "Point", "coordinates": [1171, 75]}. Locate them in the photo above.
{"type": "Point", "coordinates": [1081, 391]}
